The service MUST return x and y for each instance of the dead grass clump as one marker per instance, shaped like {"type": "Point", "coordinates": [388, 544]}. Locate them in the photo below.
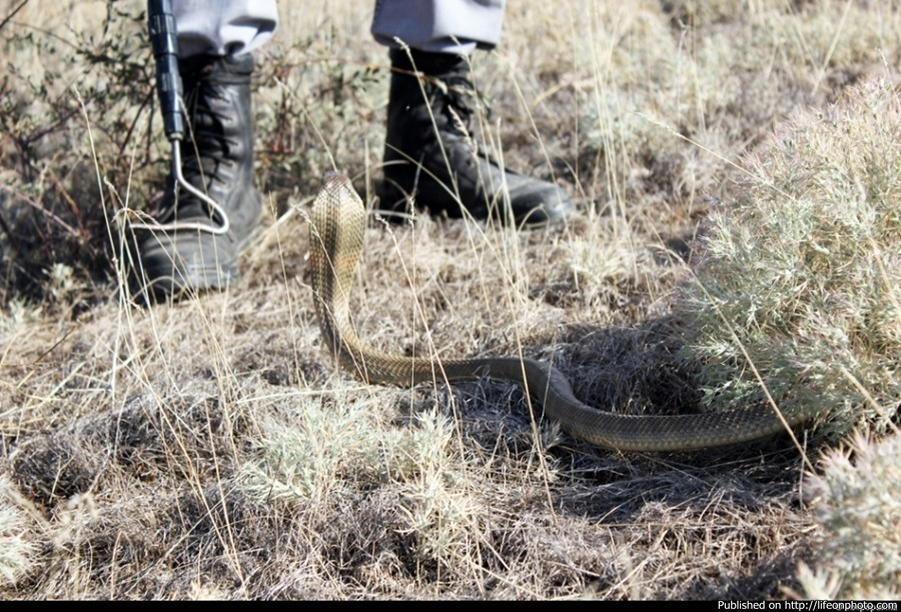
{"type": "Point", "coordinates": [803, 269]}
{"type": "Point", "coordinates": [858, 509]}
{"type": "Point", "coordinates": [638, 369]}
{"type": "Point", "coordinates": [49, 469]}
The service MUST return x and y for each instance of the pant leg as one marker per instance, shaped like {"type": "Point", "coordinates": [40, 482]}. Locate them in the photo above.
{"type": "Point", "coordinates": [441, 26]}
{"type": "Point", "coordinates": [229, 27]}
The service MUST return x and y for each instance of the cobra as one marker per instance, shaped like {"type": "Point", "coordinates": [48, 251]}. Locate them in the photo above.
{"type": "Point", "coordinates": [337, 228]}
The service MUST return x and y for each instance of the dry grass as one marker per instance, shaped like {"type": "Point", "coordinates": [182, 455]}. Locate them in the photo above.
{"type": "Point", "coordinates": [212, 449]}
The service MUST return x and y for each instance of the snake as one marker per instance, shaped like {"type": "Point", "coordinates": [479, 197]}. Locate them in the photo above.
{"type": "Point", "coordinates": [338, 220]}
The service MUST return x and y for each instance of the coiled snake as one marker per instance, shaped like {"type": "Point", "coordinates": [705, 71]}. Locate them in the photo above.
{"type": "Point", "coordinates": [338, 221]}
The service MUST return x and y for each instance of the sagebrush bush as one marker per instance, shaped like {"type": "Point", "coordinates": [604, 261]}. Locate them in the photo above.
{"type": "Point", "coordinates": [803, 269]}
{"type": "Point", "coordinates": [859, 511]}
{"type": "Point", "coordinates": [328, 453]}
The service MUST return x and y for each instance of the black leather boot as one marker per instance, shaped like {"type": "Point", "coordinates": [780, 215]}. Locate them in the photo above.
{"type": "Point", "coordinates": [192, 244]}
{"type": "Point", "coordinates": [438, 163]}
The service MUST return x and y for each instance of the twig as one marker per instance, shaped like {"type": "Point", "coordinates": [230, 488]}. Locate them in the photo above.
{"type": "Point", "coordinates": [39, 207]}
{"type": "Point", "coordinates": [13, 13]}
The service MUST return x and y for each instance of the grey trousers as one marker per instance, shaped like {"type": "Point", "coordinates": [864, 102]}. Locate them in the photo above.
{"type": "Point", "coordinates": [237, 26]}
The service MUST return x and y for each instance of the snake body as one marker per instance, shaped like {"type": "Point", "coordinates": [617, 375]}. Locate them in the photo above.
{"type": "Point", "coordinates": [337, 224]}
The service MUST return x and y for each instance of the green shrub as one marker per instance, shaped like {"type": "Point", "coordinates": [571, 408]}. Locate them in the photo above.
{"type": "Point", "coordinates": [859, 510]}
{"type": "Point", "coordinates": [803, 269]}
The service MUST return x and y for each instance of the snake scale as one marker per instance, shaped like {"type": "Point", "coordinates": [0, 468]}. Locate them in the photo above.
{"type": "Point", "coordinates": [337, 224]}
